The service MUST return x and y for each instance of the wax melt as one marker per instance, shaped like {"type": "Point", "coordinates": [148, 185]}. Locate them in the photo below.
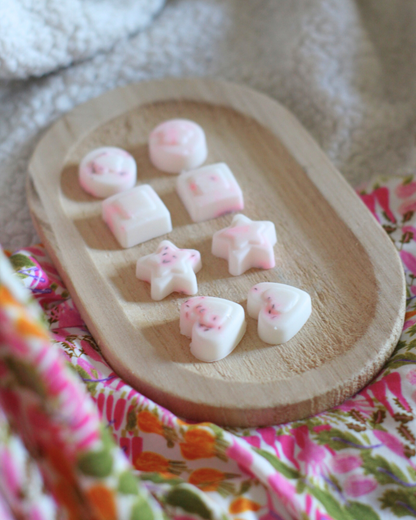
{"type": "Point", "coordinates": [245, 244]}
{"type": "Point", "coordinates": [106, 171]}
{"type": "Point", "coordinates": [281, 310]}
{"type": "Point", "coordinates": [209, 192]}
{"type": "Point", "coordinates": [176, 145]}
{"type": "Point", "coordinates": [170, 269]}
{"type": "Point", "coordinates": [215, 325]}
{"type": "Point", "coordinates": [136, 215]}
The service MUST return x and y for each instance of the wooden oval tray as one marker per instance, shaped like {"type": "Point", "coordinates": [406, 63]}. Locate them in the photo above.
{"type": "Point", "coordinates": [328, 244]}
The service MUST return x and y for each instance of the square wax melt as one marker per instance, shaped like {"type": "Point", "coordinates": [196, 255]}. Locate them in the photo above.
{"type": "Point", "coordinates": [209, 192]}
{"type": "Point", "coordinates": [136, 215]}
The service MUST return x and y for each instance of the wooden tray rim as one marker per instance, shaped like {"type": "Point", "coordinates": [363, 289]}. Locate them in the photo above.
{"type": "Point", "coordinates": [85, 118]}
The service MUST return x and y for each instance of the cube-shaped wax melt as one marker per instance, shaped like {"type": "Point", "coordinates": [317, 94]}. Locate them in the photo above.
{"type": "Point", "coordinates": [136, 215]}
{"type": "Point", "coordinates": [209, 192]}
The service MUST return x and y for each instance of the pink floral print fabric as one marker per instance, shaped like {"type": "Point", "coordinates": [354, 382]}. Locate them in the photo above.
{"type": "Point", "coordinates": [354, 462]}
{"type": "Point", "coordinates": [61, 443]}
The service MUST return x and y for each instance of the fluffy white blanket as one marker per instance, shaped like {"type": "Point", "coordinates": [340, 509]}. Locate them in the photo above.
{"type": "Point", "coordinates": [346, 68]}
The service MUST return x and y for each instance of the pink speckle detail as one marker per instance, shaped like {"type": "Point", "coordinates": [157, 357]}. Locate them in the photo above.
{"type": "Point", "coordinates": [174, 133]}
{"type": "Point", "coordinates": [271, 310]}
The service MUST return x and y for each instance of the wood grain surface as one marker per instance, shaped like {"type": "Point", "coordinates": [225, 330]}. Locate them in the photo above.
{"type": "Point", "coordinates": [328, 245]}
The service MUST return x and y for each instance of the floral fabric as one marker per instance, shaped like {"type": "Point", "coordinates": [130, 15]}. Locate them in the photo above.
{"type": "Point", "coordinates": [354, 462]}
{"type": "Point", "coordinates": [66, 448]}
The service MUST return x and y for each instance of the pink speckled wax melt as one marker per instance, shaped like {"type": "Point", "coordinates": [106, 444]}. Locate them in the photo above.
{"type": "Point", "coordinates": [215, 326]}
{"type": "Point", "coordinates": [106, 171]}
{"type": "Point", "coordinates": [209, 192]}
{"type": "Point", "coordinates": [176, 145]}
{"type": "Point", "coordinates": [281, 311]}
{"type": "Point", "coordinates": [245, 244]}
{"type": "Point", "coordinates": [136, 215]}
{"type": "Point", "coordinates": [170, 269]}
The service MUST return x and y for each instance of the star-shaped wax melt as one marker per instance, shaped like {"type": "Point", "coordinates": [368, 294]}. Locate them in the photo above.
{"type": "Point", "coordinates": [170, 269]}
{"type": "Point", "coordinates": [245, 244]}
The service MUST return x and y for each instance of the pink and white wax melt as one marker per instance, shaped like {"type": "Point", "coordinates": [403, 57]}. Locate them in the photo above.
{"type": "Point", "coordinates": [209, 192]}
{"type": "Point", "coordinates": [170, 269]}
{"type": "Point", "coordinates": [245, 244]}
{"type": "Point", "coordinates": [281, 311]}
{"type": "Point", "coordinates": [176, 145]}
{"type": "Point", "coordinates": [136, 215]}
{"type": "Point", "coordinates": [106, 171]}
{"type": "Point", "coordinates": [215, 326]}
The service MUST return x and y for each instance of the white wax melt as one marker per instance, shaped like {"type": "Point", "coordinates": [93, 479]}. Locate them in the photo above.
{"type": "Point", "coordinates": [176, 145]}
{"type": "Point", "coordinates": [215, 325]}
{"type": "Point", "coordinates": [136, 215]}
{"type": "Point", "coordinates": [170, 269]}
{"type": "Point", "coordinates": [106, 171]}
{"type": "Point", "coordinates": [281, 310]}
{"type": "Point", "coordinates": [209, 192]}
{"type": "Point", "coordinates": [245, 244]}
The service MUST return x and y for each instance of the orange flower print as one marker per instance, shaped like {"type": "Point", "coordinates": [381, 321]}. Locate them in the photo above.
{"type": "Point", "coordinates": [207, 479]}
{"type": "Point", "coordinates": [60, 463]}
{"type": "Point", "coordinates": [409, 315]}
{"type": "Point", "coordinates": [198, 444]}
{"type": "Point", "coordinates": [149, 423]}
{"type": "Point", "coordinates": [102, 500]}
{"type": "Point", "coordinates": [241, 505]}
{"type": "Point", "coordinates": [6, 297]}
{"type": "Point", "coordinates": [27, 328]}
{"type": "Point", "coordinates": [67, 498]}
{"type": "Point", "coordinates": [155, 463]}
{"type": "Point", "coordinates": [150, 461]}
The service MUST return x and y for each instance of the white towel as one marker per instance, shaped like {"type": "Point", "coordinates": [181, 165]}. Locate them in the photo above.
{"type": "Point", "coordinates": [38, 36]}
{"type": "Point", "coordinates": [345, 68]}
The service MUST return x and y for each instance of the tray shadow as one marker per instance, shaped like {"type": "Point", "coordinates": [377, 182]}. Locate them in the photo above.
{"type": "Point", "coordinates": [96, 233]}
{"type": "Point", "coordinates": [171, 345]}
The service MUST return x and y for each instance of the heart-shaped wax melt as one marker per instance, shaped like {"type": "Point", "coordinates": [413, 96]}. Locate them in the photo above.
{"type": "Point", "coordinates": [281, 310]}
{"type": "Point", "coordinates": [216, 326]}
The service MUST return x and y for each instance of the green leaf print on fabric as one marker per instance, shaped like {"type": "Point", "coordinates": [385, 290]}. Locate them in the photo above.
{"type": "Point", "coordinates": [91, 386]}
{"type": "Point", "coordinates": [411, 331]}
{"type": "Point", "coordinates": [384, 472]}
{"type": "Point", "coordinates": [401, 501]}
{"type": "Point", "coordinates": [189, 501]}
{"type": "Point", "coordinates": [362, 511]}
{"type": "Point", "coordinates": [106, 438]}
{"type": "Point", "coordinates": [96, 464]}
{"type": "Point", "coordinates": [157, 478]}
{"type": "Point", "coordinates": [127, 484]}
{"type": "Point", "coordinates": [333, 507]}
{"type": "Point", "coordinates": [402, 359]}
{"type": "Point", "coordinates": [280, 466]}
{"type": "Point", "coordinates": [142, 510]}
{"type": "Point", "coordinates": [340, 440]}
{"type": "Point", "coordinates": [131, 420]}
{"type": "Point", "coordinates": [20, 263]}
{"type": "Point", "coordinates": [26, 376]}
